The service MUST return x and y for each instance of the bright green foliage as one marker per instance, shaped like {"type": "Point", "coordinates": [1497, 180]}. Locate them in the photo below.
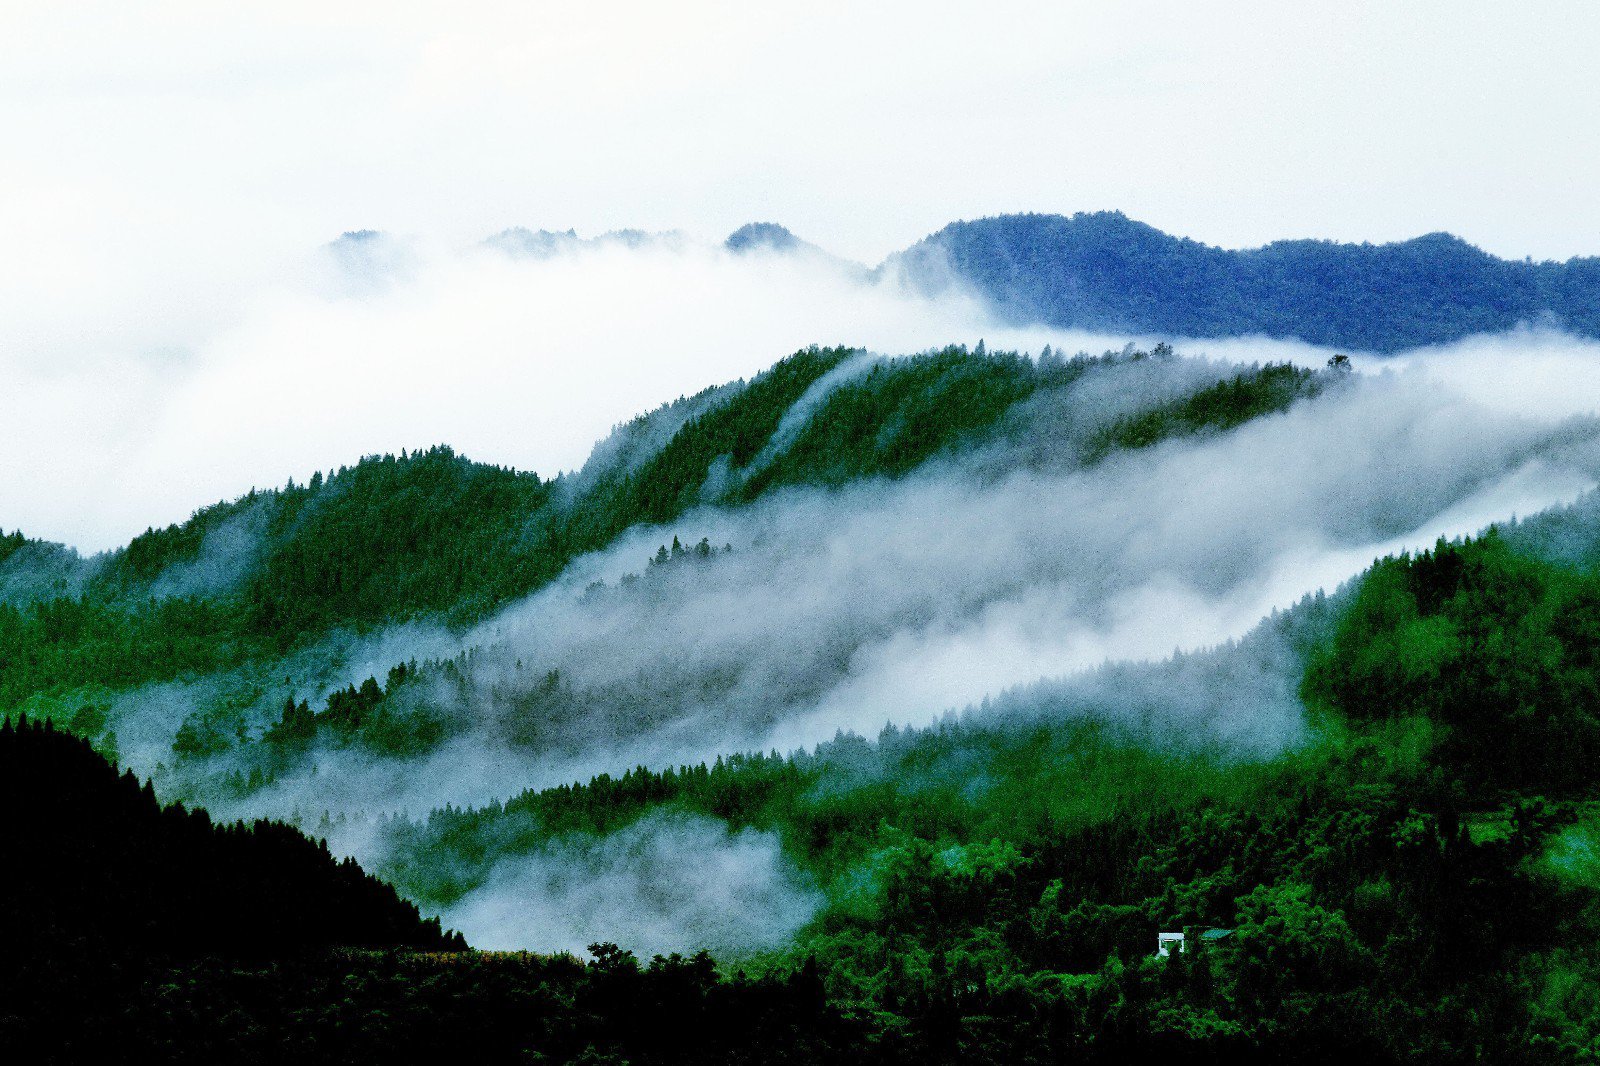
{"type": "Point", "coordinates": [1416, 883]}
{"type": "Point", "coordinates": [975, 873]}
{"type": "Point", "coordinates": [154, 550]}
{"type": "Point", "coordinates": [369, 714]}
{"type": "Point", "coordinates": [1401, 887]}
{"type": "Point", "coordinates": [671, 481]}
{"type": "Point", "coordinates": [961, 785]}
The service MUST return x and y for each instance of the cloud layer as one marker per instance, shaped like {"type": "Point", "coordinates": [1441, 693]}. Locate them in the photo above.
{"type": "Point", "coordinates": [668, 882]}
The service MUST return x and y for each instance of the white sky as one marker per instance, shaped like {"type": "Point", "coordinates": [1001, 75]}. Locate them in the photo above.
{"type": "Point", "coordinates": [860, 125]}
{"type": "Point", "coordinates": [165, 166]}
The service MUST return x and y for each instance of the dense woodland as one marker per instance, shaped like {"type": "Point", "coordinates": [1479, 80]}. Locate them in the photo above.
{"type": "Point", "coordinates": [1398, 889]}
{"type": "Point", "coordinates": [1416, 881]}
{"type": "Point", "coordinates": [1106, 271]}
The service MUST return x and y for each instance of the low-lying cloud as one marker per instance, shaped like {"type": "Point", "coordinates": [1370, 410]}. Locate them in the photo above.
{"type": "Point", "coordinates": [668, 882]}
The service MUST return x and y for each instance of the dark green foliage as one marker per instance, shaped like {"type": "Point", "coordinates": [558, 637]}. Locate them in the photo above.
{"type": "Point", "coordinates": [103, 886]}
{"type": "Point", "coordinates": [1106, 271]}
{"type": "Point", "coordinates": [360, 1007]}
{"type": "Point", "coordinates": [1391, 887]}
{"type": "Point", "coordinates": [393, 538]}
{"type": "Point", "coordinates": [11, 543]}
{"type": "Point", "coordinates": [998, 924]}
{"type": "Point", "coordinates": [54, 644]}
{"type": "Point", "coordinates": [429, 533]}
{"type": "Point", "coordinates": [154, 550]}
{"type": "Point", "coordinates": [1567, 536]}
{"type": "Point", "coordinates": [1501, 649]}
{"type": "Point", "coordinates": [1223, 406]}
{"type": "Point", "coordinates": [1368, 925]}
{"type": "Point", "coordinates": [369, 714]}
{"type": "Point", "coordinates": [134, 931]}
{"type": "Point", "coordinates": [1416, 883]}
{"type": "Point", "coordinates": [388, 538]}
{"type": "Point", "coordinates": [672, 480]}
{"type": "Point", "coordinates": [832, 806]}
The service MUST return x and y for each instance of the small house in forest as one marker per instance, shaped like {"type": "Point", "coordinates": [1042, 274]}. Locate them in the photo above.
{"type": "Point", "coordinates": [1167, 943]}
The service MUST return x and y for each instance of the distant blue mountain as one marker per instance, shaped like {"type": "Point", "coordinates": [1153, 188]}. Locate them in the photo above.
{"type": "Point", "coordinates": [1105, 271]}
{"type": "Point", "coordinates": [762, 235]}
{"type": "Point", "coordinates": [519, 242]}
{"type": "Point", "coordinates": [769, 237]}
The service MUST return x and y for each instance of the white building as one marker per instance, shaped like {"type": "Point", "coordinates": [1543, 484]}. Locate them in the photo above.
{"type": "Point", "coordinates": [1167, 943]}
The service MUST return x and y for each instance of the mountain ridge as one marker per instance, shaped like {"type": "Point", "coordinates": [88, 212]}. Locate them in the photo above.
{"type": "Point", "coordinates": [1106, 271]}
{"type": "Point", "coordinates": [1103, 271]}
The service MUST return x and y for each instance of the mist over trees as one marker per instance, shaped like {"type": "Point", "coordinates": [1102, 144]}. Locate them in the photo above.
{"type": "Point", "coordinates": [1380, 800]}
{"type": "Point", "coordinates": [433, 535]}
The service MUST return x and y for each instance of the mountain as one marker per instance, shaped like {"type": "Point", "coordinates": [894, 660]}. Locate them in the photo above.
{"type": "Point", "coordinates": [1104, 271]}
{"type": "Point", "coordinates": [137, 931]}
{"type": "Point", "coordinates": [522, 243]}
{"type": "Point", "coordinates": [105, 885]}
{"type": "Point", "coordinates": [766, 235]}
{"type": "Point", "coordinates": [771, 238]}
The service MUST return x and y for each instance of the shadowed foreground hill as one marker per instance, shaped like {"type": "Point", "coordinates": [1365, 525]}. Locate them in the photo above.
{"type": "Point", "coordinates": [1104, 271]}
{"type": "Point", "coordinates": [95, 860]}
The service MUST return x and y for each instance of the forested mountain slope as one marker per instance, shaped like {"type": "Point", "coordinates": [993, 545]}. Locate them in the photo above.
{"type": "Point", "coordinates": [1408, 884]}
{"type": "Point", "coordinates": [433, 535]}
{"type": "Point", "coordinates": [1104, 271]}
{"type": "Point", "coordinates": [1428, 854]}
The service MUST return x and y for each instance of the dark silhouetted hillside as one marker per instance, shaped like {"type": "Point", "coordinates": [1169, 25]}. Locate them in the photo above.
{"type": "Point", "coordinates": [96, 863]}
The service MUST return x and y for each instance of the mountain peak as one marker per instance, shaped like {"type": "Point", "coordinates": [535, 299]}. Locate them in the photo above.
{"type": "Point", "coordinates": [762, 235]}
